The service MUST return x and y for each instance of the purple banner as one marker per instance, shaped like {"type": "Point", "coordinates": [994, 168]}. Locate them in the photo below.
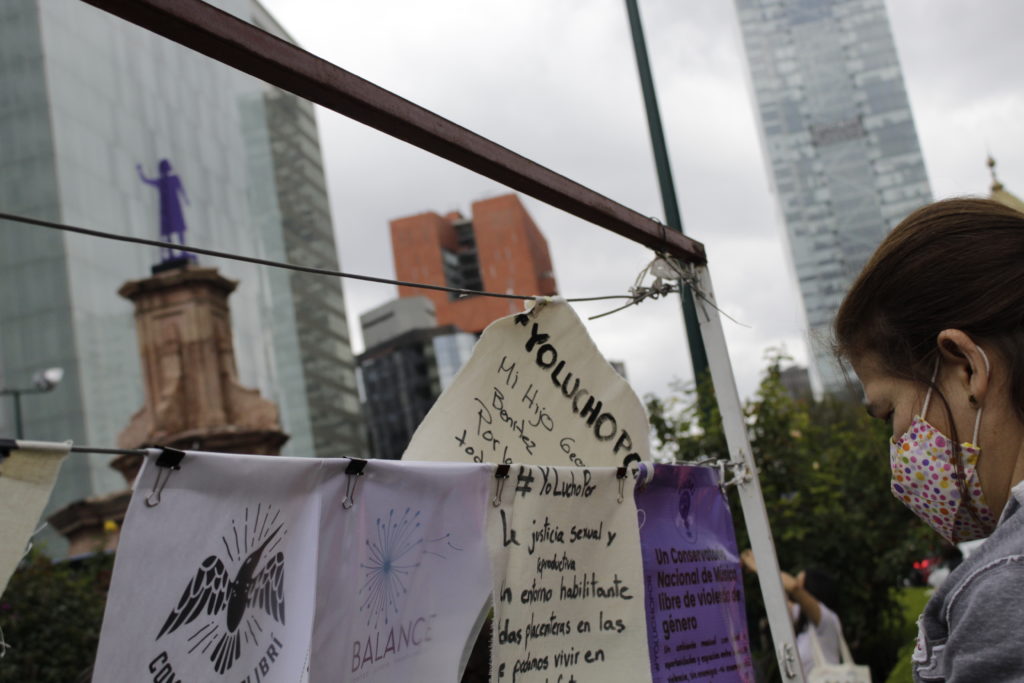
{"type": "Point", "coordinates": [696, 622]}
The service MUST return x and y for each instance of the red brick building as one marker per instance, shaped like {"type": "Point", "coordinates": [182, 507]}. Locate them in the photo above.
{"type": "Point", "coordinates": [498, 249]}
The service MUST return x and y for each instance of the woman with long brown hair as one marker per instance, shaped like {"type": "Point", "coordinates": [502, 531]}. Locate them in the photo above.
{"type": "Point", "coordinates": [934, 329]}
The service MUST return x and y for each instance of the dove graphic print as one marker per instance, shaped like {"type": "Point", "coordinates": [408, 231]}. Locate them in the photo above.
{"type": "Point", "coordinates": [213, 592]}
{"type": "Point", "coordinates": [234, 603]}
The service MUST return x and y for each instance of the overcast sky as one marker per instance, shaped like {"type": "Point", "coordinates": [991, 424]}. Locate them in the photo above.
{"type": "Point", "coordinates": [557, 82]}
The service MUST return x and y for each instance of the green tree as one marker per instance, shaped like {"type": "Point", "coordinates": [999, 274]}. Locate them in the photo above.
{"type": "Point", "coordinates": [50, 614]}
{"type": "Point", "coordinates": [824, 471]}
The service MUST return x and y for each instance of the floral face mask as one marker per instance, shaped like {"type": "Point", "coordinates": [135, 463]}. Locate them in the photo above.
{"type": "Point", "coordinates": [924, 478]}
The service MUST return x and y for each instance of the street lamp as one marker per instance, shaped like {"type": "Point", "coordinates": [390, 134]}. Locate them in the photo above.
{"type": "Point", "coordinates": [42, 381]}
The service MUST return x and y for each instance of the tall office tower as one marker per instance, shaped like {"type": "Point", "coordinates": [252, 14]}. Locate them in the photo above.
{"type": "Point", "coordinates": [498, 249]}
{"type": "Point", "coordinates": [408, 362]}
{"type": "Point", "coordinates": [839, 139]}
{"type": "Point", "coordinates": [91, 107]}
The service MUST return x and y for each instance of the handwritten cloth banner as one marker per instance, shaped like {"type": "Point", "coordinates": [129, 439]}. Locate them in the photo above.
{"type": "Point", "coordinates": [536, 390]}
{"type": "Point", "coordinates": [216, 582]}
{"type": "Point", "coordinates": [568, 579]}
{"type": "Point", "coordinates": [26, 481]}
{"type": "Point", "coordinates": [694, 585]}
{"type": "Point", "coordinates": [404, 572]}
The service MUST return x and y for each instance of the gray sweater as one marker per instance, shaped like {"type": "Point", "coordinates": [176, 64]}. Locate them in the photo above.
{"type": "Point", "coordinates": [972, 629]}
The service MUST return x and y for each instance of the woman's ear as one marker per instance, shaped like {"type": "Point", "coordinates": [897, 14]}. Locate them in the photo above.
{"type": "Point", "coordinates": [973, 370]}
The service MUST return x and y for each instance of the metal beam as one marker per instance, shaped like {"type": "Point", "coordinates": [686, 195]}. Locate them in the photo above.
{"type": "Point", "coordinates": [217, 34]}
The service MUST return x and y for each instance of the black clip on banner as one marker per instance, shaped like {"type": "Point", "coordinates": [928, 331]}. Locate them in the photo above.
{"type": "Point", "coordinates": [353, 470]}
{"type": "Point", "coordinates": [620, 473]}
{"type": "Point", "coordinates": [170, 458]}
{"type": "Point", "coordinates": [355, 466]}
{"type": "Point", "coordinates": [6, 446]}
{"type": "Point", "coordinates": [501, 474]}
{"type": "Point", "coordinates": [168, 461]}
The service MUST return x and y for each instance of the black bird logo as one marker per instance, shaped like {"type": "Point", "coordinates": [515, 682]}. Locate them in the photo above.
{"type": "Point", "coordinates": [212, 591]}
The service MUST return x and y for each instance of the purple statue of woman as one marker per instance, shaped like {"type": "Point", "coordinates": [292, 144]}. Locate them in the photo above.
{"type": "Point", "coordinates": [172, 219]}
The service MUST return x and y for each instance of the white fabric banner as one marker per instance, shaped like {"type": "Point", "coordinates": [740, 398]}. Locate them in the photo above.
{"type": "Point", "coordinates": [403, 573]}
{"type": "Point", "coordinates": [216, 582]}
{"type": "Point", "coordinates": [26, 481]}
{"type": "Point", "coordinates": [568, 578]}
{"type": "Point", "coordinates": [536, 390]}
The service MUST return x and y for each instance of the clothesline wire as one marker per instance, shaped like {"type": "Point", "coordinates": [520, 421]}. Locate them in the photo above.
{"type": "Point", "coordinates": [739, 470]}
{"type": "Point", "coordinates": [109, 451]}
{"type": "Point", "coordinates": [7, 445]}
{"type": "Point", "coordinates": [278, 264]}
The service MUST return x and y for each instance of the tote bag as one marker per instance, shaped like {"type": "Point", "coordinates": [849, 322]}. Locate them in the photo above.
{"type": "Point", "coordinates": [844, 672]}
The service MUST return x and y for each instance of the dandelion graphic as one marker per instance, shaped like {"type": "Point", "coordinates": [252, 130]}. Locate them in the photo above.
{"type": "Point", "coordinates": [393, 556]}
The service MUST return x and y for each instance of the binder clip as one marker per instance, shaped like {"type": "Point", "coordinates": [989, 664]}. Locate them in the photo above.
{"type": "Point", "coordinates": [168, 461]}
{"type": "Point", "coordinates": [501, 474]}
{"type": "Point", "coordinates": [353, 471]}
{"type": "Point", "coordinates": [620, 474]}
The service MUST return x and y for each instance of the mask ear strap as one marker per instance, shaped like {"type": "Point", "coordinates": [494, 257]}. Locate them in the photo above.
{"type": "Point", "coordinates": [977, 424]}
{"type": "Point", "coordinates": [928, 394]}
{"type": "Point", "coordinates": [977, 418]}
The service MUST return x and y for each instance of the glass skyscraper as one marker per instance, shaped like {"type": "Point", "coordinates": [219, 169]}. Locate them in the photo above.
{"type": "Point", "coordinates": [839, 140]}
{"type": "Point", "coordinates": [85, 98]}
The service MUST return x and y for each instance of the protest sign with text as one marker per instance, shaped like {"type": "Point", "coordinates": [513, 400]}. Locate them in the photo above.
{"type": "Point", "coordinates": [694, 587]}
{"type": "Point", "coordinates": [568, 582]}
{"type": "Point", "coordinates": [537, 391]}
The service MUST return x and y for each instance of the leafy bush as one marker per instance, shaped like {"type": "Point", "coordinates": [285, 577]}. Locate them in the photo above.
{"type": "Point", "coordinates": [51, 615]}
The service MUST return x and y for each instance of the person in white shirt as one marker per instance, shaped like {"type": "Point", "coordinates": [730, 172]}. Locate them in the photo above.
{"type": "Point", "coordinates": [808, 594]}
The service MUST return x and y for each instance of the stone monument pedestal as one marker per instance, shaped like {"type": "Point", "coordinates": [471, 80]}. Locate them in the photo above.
{"type": "Point", "coordinates": [193, 398]}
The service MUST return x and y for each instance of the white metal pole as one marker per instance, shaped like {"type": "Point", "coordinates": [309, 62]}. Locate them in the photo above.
{"type": "Point", "coordinates": [755, 516]}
